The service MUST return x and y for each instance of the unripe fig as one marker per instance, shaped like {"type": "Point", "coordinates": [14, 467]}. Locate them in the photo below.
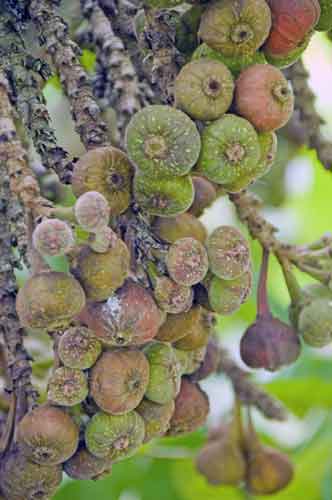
{"type": "Point", "coordinates": [67, 386]}
{"type": "Point", "coordinates": [92, 211]}
{"type": "Point", "coordinates": [165, 373]}
{"type": "Point", "coordinates": [182, 226]}
{"type": "Point", "coordinates": [291, 21]}
{"type": "Point", "coordinates": [204, 89]}
{"type": "Point", "coordinates": [325, 19]}
{"type": "Point", "coordinates": [21, 479]}
{"type": "Point", "coordinates": [172, 297]}
{"type": "Point", "coordinates": [264, 97]}
{"type": "Point", "coordinates": [162, 141]}
{"type": "Point", "coordinates": [49, 300]}
{"type": "Point", "coordinates": [179, 326]}
{"type": "Point", "coordinates": [186, 28]}
{"type": "Point", "coordinates": [226, 296]}
{"type": "Point", "coordinates": [205, 195]}
{"type": "Point", "coordinates": [210, 362]}
{"type": "Point", "coordinates": [52, 237]}
{"type": "Point", "coordinates": [119, 380]}
{"type": "Point", "coordinates": [102, 273]}
{"type": "Point", "coordinates": [187, 261]}
{"type": "Point", "coordinates": [156, 418]}
{"type": "Point", "coordinates": [235, 27]}
{"type": "Point", "coordinates": [164, 196]}
{"type": "Point", "coordinates": [198, 329]}
{"type": "Point", "coordinates": [103, 241]}
{"type": "Point", "coordinates": [79, 348]}
{"type": "Point", "coordinates": [228, 252]}
{"type": "Point", "coordinates": [47, 435]}
{"type": "Point", "coordinates": [234, 64]}
{"type": "Point", "coordinates": [230, 149]}
{"type": "Point", "coordinates": [315, 322]}
{"type": "Point", "coordinates": [108, 171]}
{"type": "Point", "coordinates": [114, 437]}
{"type": "Point", "coordinates": [190, 360]}
{"type": "Point", "coordinates": [191, 409]}
{"type": "Point", "coordinates": [83, 465]}
{"type": "Point", "coordinates": [129, 317]}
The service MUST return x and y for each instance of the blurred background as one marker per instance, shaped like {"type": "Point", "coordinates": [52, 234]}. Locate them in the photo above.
{"type": "Point", "coordinates": [297, 196]}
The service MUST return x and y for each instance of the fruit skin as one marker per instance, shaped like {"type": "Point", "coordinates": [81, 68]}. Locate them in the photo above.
{"type": "Point", "coordinates": [291, 21]}
{"type": "Point", "coordinates": [119, 380]}
{"type": "Point", "coordinates": [129, 317]}
{"type": "Point", "coordinates": [230, 149]}
{"type": "Point", "coordinates": [234, 64]}
{"type": "Point", "coordinates": [228, 252]}
{"type": "Point", "coordinates": [184, 225]}
{"type": "Point", "coordinates": [108, 171]}
{"type": "Point", "coordinates": [187, 261]}
{"type": "Point", "coordinates": [67, 386]}
{"type": "Point", "coordinates": [162, 141]}
{"type": "Point", "coordinates": [52, 237]}
{"type": "Point", "coordinates": [156, 418]}
{"type": "Point", "coordinates": [227, 296]}
{"type": "Point", "coordinates": [164, 196]}
{"type": "Point", "coordinates": [102, 241]}
{"type": "Point", "coordinates": [114, 437]}
{"type": "Point", "coordinates": [325, 19]}
{"type": "Point", "coordinates": [198, 329]}
{"type": "Point", "coordinates": [191, 409]}
{"type": "Point", "coordinates": [21, 479]}
{"type": "Point", "coordinates": [102, 273]}
{"type": "Point", "coordinates": [204, 89]}
{"type": "Point", "coordinates": [235, 28]}
{"type": "Point", "coordinates": [79, 348]}
{"type": "Point", "coordinates": [47, 435]}
{"type": "Point", "coordinates": [190, 360]}
{"type": "Point", "coordinates": [172, 297]}
{"type": "Point", "coordinates": [315, 322]}
{"type": "Point", "coordinates": [269, 343]}
{"type": "Point", "coordinates": [165, 373]}
{"type": "Point", "coordinates": [205, 195]}
{"type": "Point", "coordinates": [49, 300]}
{"type": "Point", "coordinates": [83, 465]}
{"type": "Point", "coordinates": [92, 211]}
{"type": "Point", "coordinates": [178, 326]}
{"type": "Point", "coordinates": [284, 61]}
{"type": "Point", "coordinates": [264, 87]}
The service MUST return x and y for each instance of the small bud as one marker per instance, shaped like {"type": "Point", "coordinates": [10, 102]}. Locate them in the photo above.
{"type": "Point", "coordinates": [53, 237]}
{"type": "Point", "coordinates": [92, 211]}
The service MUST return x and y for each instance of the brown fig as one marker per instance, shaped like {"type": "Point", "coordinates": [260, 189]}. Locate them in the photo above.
{"type": "Point", "coordinates": [119, 380]}
{"type": "Point", "coordinates": [205, 195]}
{"type": "Point", "coordinates": [83, 465]}
{"type": "Point", "coordinates": [187, 261]}
{"type": "Point", "coordinates": [264, 97]}
{"type": "Point", "coordinates": [191, 409]}
{"type": "Point", "coordinates": [156, 418]}
{"type": "Point", "coordinates": [47, 435]}
{"type": "Point", "coordinates": [184, 225]}
{"type": "Point", "coordinates": [67, 386]}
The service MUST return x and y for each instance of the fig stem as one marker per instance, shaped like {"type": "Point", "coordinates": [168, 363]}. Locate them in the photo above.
{"type": "Point", "coordinates": [262, 300]}
{"type": "Point", "coordinates": [293, 287]}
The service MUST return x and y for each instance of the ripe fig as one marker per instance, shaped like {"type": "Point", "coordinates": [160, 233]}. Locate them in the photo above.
{"type": "Point", "coordinates": [172, 297]}
{"type": "Point", "coordinates": [83, 465]}
{"type": "Point", "coordinates": [156, 418]}
{"type": "Point", "coordinates": [119, 380]}
{"type": "Point", "coordinates": [114, 437]}
{"type": "Point", "coordinates": [49, 300]}
{"type": "Point", "coordinates": [52, 237]}
{"type": "Point", "coordinates": [92, 211]}
{"type": "Point", "coordinates": [191, 409]}
{"type": "Point", "coordinates": [235, 27]}
{"type": "Point", "coordinates": [291, 21]}
{"type": "Point", "coordinates": [226, 296]}
{"type": "Point", "coordinates": [108, 171]}
{"type": "Point", "coordinates": [204, 89]}
{"type": "Point", "coordinates": [47, 435]}
{"type": "Point", "coordinates": [199, 326]}
{"type": "Point", "coordinates": [164, 196]}
{"type": "Point", "coordinates": [230, 149]}
{"type": "Point", "coordinates": [102, 273]}
{"type": "Point", "coordinates": [264, 87]}
{"type": "Point", "coordinates": [79, 348]}
{"type": "Point", "coordinates": [182, 226]}
{"type": "Point", "coordinates": [228, 252]}
{"type": "Point", "coordinates": [286, 60]}
{"type": "Point", "coordinates": [165, 373]}
{"type": "Point", "coordinates": [187, 261]}
{"type": "Point", "coordinates": [205, 195]}
{"type": "Point", "coordinates": [162, 141]}
{"type": "Point", "coordinates": [67, 386]}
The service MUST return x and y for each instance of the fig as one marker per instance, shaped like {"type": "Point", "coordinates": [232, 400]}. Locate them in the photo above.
{"type": "Point", "coordinates": [199, 326]}
{"type": "Point", "coordinates": [204, 89]}
{"type": "Point", "coordinates": [264, 97]}
{"type": "Point", "coordinates": [162, 141]}
{"type": "Point", "coordinates": [187, 261]}
{"type": "Point", "coordinates": [178, 326]}
{"type": "Point", "coordinates": [164, 196]}
{"type": "Point", "coordinates": [172, 297]}
{"type": "Point", "coordinates": [315, 322]}
{"type": "Point", "coordinates": [235, 27]}
{"type": "Point", "coordinates": [52, 237]}
{"type": "Point", "coordinates": [156, 418]}
{"type": "Point", "coordinates": [102, 273]}
{"type": "Point", "coordinates": [184, 225]}
{"type": "Point", "coordinates": [205, 195]}
{"type": "Point", "coordinates": [190, 360]}
{"type": "Point", "coordinates": [286, 60]}
{"type": "Point", "coordinates": [79, 348]}
{"type": "Point", "coordinates": [103, 241]}
{"type": "Point", "coordinates": [83, 465]}
{"type": "Point", "coordinates": [230, 149]}
{"type": "Point", "coordinates": [114, 437]}
{"type": "Point", "coordinates": [108, 171]}
{"type": "Point", "coordinates": [67, 386]}
{"type": "Point", "coordinates": [47, 435]}
{"type": "Point", "coordinates": [49, 300]}
{"type": "Point", "coordinates": [92, 211]}
{"type": "Point", "coordinates": [226, 296]}
{"type": "Point", "coordinates": [119, 380]}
